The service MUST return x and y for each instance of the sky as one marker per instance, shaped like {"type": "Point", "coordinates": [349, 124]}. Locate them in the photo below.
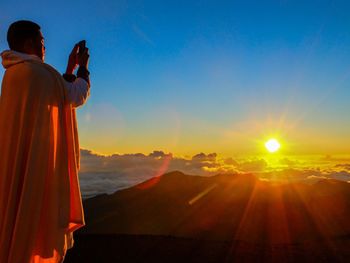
{"type": "Point", "coordinates": [204, 76]}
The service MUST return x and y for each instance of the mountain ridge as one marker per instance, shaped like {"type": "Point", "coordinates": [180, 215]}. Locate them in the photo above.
{"type": "Point", "coordinates": [223, 207]}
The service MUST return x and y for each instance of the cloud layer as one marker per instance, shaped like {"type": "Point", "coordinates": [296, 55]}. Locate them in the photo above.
{"type": "Point", "coordinates": [107, 174]}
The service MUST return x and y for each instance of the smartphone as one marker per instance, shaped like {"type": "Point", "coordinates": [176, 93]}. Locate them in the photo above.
{"type": "Point", "coordinates": [82, 46]}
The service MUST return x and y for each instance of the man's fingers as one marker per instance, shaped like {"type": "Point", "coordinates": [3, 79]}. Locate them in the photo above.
{"type": "Point", "coordinates": [75, 49]}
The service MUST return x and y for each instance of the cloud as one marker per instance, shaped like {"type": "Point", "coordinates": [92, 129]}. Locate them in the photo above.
{"type": "Point", "coordinates": [344, 166]}
{"type": "Point", "coordinates": [315, 178]}
{"type": "Point", "coordinates": [253, 166]}
{"type": "Point", "coordinates": [343, 175]}
{"type": "Point", "coordinates": [107, 174]}
{"type": "Point", "coordinates": [203, 156]}
{"type": "Point", "coordinates": [287, 162]}
{"type": "Point", "coordinates": [159, 154]}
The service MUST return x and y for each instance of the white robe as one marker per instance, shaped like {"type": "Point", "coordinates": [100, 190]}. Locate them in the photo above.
{"type": "Point", "coordinates": [40, 200]}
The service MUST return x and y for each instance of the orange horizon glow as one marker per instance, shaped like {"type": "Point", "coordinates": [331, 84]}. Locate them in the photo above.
{"type": "Point", "coordinates": [181, 136]}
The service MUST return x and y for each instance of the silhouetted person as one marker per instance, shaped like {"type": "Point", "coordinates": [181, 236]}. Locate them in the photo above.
{"type": "Point", "coordinates": [40, 201]}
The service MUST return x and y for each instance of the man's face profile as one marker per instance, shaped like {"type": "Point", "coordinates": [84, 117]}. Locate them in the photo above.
{"type": "Point", "coordinates": [39, 46]}
{"type": "Point", "coordinates": [36, 46]}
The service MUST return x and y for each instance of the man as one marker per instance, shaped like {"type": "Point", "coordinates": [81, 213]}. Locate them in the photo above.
{"type": "Point", "coordinates": [40, 201]}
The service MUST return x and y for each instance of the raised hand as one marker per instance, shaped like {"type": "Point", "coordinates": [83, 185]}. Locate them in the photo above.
{"type": "Point", "coordinates": [72, 60]}
{"type": "Point", "coordinates": [83, 58]}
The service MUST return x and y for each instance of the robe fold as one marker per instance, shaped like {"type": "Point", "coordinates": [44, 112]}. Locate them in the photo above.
{"type": "Point", "coordinates": [40, 200]}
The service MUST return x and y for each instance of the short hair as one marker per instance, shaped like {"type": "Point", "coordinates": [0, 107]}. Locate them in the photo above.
{"type": "Point", "coordinates": [19, 32]}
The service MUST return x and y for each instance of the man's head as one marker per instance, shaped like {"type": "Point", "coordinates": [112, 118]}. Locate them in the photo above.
{"type": "Point", "coordinates": [26, 37]}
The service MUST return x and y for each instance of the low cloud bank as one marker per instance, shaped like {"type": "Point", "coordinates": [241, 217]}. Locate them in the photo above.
{"type": "Point", "coordinates": [106, 174]}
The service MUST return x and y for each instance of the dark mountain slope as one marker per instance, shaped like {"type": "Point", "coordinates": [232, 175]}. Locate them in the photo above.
{"type": "Point", "coordinates": [224, 207]}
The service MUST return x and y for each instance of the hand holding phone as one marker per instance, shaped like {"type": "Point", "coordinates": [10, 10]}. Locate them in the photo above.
{"type": "Point", "coordinates": [82, 46]}
{"type": "Point", "coordinates": [83, 54]}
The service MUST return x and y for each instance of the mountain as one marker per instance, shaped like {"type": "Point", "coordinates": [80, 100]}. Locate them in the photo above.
{"type": "Point", "coordinates": [225, 218]}
{"type": "Point", "coordinates": [224, 208]}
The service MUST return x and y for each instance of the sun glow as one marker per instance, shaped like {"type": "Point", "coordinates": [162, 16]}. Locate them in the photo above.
{"type": "Point", "coordinates": [272, 145]}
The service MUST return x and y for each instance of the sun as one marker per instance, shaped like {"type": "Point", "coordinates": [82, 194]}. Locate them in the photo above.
{"type": "Point", "coordinates": [272, 145]}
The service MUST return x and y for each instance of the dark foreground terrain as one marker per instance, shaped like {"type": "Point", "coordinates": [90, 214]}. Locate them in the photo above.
{"type": "Point", "coordinates": [166, 249]}
{"type": "Point", "coordinates": [223, 218]}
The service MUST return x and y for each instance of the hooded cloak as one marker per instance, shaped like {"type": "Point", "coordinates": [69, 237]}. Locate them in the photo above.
{"type": "Point", "coordinates": [40, 200]}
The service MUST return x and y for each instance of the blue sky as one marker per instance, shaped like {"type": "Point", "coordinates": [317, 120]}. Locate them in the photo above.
{"type": "Point", "coordinates": [190, 76]}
